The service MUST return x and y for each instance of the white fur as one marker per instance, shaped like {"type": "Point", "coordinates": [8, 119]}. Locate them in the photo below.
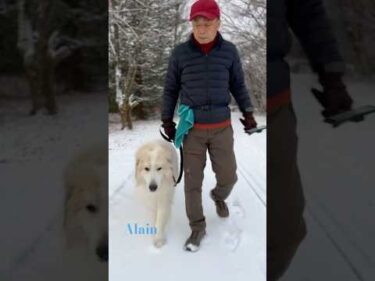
{"type": "Point", "coordinates": [160, 158]}
{"type": "Point", "coordinates": [86, 183]}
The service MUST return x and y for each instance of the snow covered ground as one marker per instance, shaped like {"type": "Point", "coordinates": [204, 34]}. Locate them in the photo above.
{"type": "Point", "coordinates": [34, 151]}
{"type": "Point", "coordinates": [234, 249]}
{"type": "Point", "coordinates": [337, 169]}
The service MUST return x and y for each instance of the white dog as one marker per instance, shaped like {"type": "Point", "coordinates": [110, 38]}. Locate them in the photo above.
{"type": "Point", "coordinates": [156, 173]}
{"type": "Point", "coordinates": [86, 211]}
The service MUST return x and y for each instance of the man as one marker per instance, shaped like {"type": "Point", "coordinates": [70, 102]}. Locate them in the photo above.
{"type": "Point", "coordinates": [202, 72]}
{"type": "Point", "coordinates": [306, 18]}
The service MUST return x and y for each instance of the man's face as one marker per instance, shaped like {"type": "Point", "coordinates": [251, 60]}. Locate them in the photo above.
{"type": "Point", "coordinates": [205, 30]}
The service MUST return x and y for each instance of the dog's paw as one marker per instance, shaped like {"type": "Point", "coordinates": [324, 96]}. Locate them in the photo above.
{"type": "Point", "coordinates": [159, 242]}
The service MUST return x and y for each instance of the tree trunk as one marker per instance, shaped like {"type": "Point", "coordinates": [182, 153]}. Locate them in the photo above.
{"type": "Point", "coordinates": [38, 63]}
{"type": "Point", "coordinates": [125, 109]}
{"type": "Point", "coordinates": [126, 120]}
{"type": "Point", "coordinates": [118, 72]}
{"type": "Point", "coordinates": [139, 112]}
{"type": "Point", "coordinates": [46, 66]}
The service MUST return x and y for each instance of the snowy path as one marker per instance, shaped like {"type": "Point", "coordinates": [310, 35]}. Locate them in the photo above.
{"type": "Point", "coordinates": [34, 151]}
{"type": "Point", "coordinates": [337, 169]}
{"type": "Point", "coordinates": [234, 248]}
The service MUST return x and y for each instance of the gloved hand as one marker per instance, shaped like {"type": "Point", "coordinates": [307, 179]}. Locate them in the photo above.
{"type": "Point", "coordinates": [334, 98]}
{"type": "Point", "coordinates": [248, 121]}
{"type": "Point", "coordinates": [169, 128]}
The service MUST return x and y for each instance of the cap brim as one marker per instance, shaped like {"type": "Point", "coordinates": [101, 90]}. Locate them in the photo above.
{"type": "Point", "coordinates": [203, 14]}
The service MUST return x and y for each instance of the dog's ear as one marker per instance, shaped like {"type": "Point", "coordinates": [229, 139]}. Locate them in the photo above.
{"type": "Point", "coordinates": [138, 180]}
{"type": "Point", "coordinates": [174, 168]}
{"type": "Point", "coordinates": [137, 162]}
{"type": "Point", "coordinates": [170, 166]}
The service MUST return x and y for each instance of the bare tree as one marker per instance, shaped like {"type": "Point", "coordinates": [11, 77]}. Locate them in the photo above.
{"type": "Point", "coordinates": [142, 34]}
{"type": "Point", "coordinates": [244, 21]}
{"type": "Point", "coordinates": [44, 45]}
{"type": "Point", "coordinates": [34, 42]}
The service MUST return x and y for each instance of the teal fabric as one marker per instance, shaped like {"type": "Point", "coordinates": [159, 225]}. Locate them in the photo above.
{"type": "Point", "coordinates": [186, 122]}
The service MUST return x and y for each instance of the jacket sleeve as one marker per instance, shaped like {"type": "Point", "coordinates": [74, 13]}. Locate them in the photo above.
{"type": "Point", "coordinates": [171, 89]}
{"type": "Point", "coordinates": [309, 22]}
{"type": "Point", "coordinates": [237, 85]}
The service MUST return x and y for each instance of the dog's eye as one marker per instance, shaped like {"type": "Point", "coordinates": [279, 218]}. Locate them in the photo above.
{"type": "Point", "coordinates": [159, 168]}
{"type": "Point", "coordinates": [91, 208]}
{"type": "Point", "coordinates": [147, 169]}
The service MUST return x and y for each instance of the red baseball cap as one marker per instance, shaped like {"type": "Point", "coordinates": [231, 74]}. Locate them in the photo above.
{"type": "Point", "coordinates": [205, 8]}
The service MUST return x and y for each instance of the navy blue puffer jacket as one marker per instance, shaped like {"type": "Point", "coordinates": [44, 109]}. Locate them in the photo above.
{"type": "Point", "coordinates": [204, 82]}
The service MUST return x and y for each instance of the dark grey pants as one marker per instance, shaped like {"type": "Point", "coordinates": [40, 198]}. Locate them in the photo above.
{"type": "Point", "coordinates": [285, 200]}
{"type": "Point", "coordinates": [219, 144]}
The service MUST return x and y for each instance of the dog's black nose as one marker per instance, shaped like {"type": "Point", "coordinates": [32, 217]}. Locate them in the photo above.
{"type": "Point", "coordinates": [153, 186]}
{"type": "Point", "coordinates": [102, 252]}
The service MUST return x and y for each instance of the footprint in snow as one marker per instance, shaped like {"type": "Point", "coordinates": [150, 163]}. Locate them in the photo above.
{"type": "Point", "coordinates": [231, 239]}
{"type": "Point", "coordinates": [237, 209]}
{"type": "Point", "coordinates": [153, 250]}
{"type": "Point", "coordinates": [231, 235]}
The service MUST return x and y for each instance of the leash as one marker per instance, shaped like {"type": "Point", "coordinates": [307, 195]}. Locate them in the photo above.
{"type": "Point", "coordinates": [165, 137]}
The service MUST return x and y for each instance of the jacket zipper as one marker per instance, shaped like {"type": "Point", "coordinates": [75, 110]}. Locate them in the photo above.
{"type": "Point", "coordinates": [207, 79]}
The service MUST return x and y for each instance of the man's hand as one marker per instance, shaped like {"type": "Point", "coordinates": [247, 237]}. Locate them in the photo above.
{"type": "Point", "coordinates": [248, 121]}
{"type": "Point", "coordinates": [334, 98]}
{"type": "Point", "coordinates": [169, 128]}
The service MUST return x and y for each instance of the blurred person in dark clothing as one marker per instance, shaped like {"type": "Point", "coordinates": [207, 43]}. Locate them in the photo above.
{"type": "Point", "coordinates": [307, 19]}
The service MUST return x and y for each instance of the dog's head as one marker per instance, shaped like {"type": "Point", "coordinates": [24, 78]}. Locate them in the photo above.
{"type": "Point", "coordinates": [154, 167]}
{"type": "Point", "coordinates": [86, 203]}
